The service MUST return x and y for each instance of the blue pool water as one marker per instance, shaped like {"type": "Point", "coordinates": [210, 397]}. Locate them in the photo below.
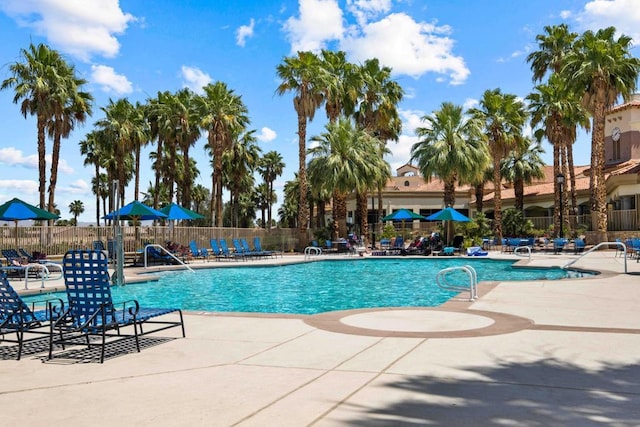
{"type": "Point", "coordinates": [319, 286]}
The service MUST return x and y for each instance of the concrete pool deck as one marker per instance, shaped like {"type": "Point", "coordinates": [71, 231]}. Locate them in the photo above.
{"type": "Point", "coordinates": [546, 353]}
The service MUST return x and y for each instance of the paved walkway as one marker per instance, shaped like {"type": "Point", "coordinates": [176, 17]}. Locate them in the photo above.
{"type": "Point", "coordinates": [538, 353]}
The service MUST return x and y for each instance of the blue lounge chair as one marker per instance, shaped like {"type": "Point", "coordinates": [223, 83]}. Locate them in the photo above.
{"type": "Point", "coordinates": [215, 249]}
{"type": "Point", "coordinates": [16, 317]}
{"type": "Point", "coordinates": [579, 245]}
{"type": "Point", "coordinates": [198, 252]}
{"type": "Point", "coordinates": [257, 245]}
{"type": "Point", "coordinates": [227, 253]}
{"type": "Point", "coordinates": [476, 251]}
{"type": "Point", "coordinates": [558, 245]}
{"type": "Point", "coordinates": [240, 250]}
{"type": "Point", "coordinates": [92, 312]}
{"type": "Point", "coordinates": [251, 252]}
{"type": "Point", "coordinates": [154, 256]}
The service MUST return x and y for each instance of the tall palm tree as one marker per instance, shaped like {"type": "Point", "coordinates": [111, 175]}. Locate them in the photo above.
{"type": "Point", "coordinates": [35, 81]}
{"type": "Point", "coordinates": [503, 117]}
{"type": "Point", "coordinates": [222, 113]}
{"type": "Point", "coordinates": [288, 211]}
{"type": "Point", "coordinates": [343, 160]}
{"type": "Point", "coordinates": [556, 112]}
{"type": "Point", "coordinates": [553, 46]}
{"type": "Point", "coordinates": [199, 195]}
{"type": "Point", "coordinates": [91, 149]}
{"type": "Point", "coordinates": [451, 147]}
{"type": "Point", "coordinates": [187, 129]}
{"type": "Point", "coordinates": [601, 68]}
{"type": "Point", "coordinates": [76, 208]}
{"type": "Point", "coordinates": [522, 167]}
{"type": "Point", "coordinates": [301, 75]}
{"type": "Point", "coordinates": [124, 126]}
{"type": "Point", "coordinates": [270, 168]}
{"type": "Point", "coordinates": [239, 162]}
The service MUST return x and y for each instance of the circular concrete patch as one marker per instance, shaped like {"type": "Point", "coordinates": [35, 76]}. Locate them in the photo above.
{"type": "Point", "coordinates": [417, 321]}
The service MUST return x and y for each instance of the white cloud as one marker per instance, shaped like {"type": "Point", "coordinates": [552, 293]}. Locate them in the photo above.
{"type": "Point", "coordinates": [320, 21]}
{"type": "Point", "coordinates": [565, 14]}
{"type": "Point", "coordinates": [470, 103]}
{"type": "Point", "coordinates": [401, 150]}
{"type": "Point", "coordinates": [109, 80]}
{"type": "Point", "coordinates": [622, 14]}
{"type": "Point", "coordinates": [194, 78]}
{"type": "Point", "coordinates": [243, 32]}
{"type": "Point", "coordinates": [266, 135]}
{"type": "Point", "coordinates": [78, 186]}
{"type": "Point", "coordinates": [18, 188]}
{"type": "Point", "coordinates": [82, 28]}
{"type": "Point", "coordinates": [11, 156]}
{"type": "Point", "coordinates": [63, 166]}
{"type": "Point", "coordinates": [364, 10]}
{"type": "Point", "coordinates": [409, 47]}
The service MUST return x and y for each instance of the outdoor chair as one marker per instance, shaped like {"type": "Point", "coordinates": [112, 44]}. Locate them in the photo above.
{"type": "Point", "coordinates": [247, 249]}
{"type": "Point", "coordinates": [257, 245]}
{"type": "Point", "coordinates": [578, 246]}
{"type": "Point", "coordinates": [155, 256]}
{"type": "Point", "coordinates": [196, 252]}
{"type": "Point", "coordinates": [91, 312]}
{"type": "Point", "coordinates": [16, 317]}
{"type": "Point", "coordinates": [215, 249]}
{"type": "Point", "coordinates": [227, 253]}
{"type": "Point", "coordinates": [242, 251]}
{"type": "Point", "coordinates": [559, 244]}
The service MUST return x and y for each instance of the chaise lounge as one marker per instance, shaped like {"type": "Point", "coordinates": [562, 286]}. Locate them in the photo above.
{"type": "Point", "coordinates": [91, 312]}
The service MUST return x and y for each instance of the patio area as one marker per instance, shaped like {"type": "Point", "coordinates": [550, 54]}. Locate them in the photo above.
{"type": "Point", "coordinates": [529, 353]}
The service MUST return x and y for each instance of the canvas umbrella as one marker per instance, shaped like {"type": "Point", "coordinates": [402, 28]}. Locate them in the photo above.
{"type": "Point", "coordinates": [16, 210]}
{"type": "Point", "coordinates": [177, 212]}
{"type": "Point", "coordinates": [448, 214]}
{"type": "Point", "coordinates": [136, 211]}
{"type": "Point", "coordinates": [402, 215]}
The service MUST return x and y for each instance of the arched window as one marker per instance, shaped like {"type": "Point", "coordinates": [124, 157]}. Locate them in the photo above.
{"type": "Point", "coordinates": [406, 183]}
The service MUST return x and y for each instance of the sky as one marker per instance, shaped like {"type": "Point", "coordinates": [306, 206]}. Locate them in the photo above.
{"type": "Point", "coordinates": [439, 51]}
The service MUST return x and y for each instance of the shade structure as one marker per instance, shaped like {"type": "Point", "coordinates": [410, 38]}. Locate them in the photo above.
{"type": "Point", "coordinates": [135, 211]}
{"type": "Point", "coordinates": [402, 215]}
{"type": "Point", "coordinates": [177, 212]}
{"type": "Point", "coordinates": [448, 214]}
{"type": "Point", "coordinates": [17, 210]}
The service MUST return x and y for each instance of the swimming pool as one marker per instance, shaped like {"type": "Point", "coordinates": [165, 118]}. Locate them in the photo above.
{"type": "Point", "coordinates": [317, 287]}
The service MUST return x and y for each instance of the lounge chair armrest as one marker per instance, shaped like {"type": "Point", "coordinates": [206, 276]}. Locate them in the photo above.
{"type": "Point", "coordinates": [55, 308]}
{"type": "Point", "coordinates": [130, 307]}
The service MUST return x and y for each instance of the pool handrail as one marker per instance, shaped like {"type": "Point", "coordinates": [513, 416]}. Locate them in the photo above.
{"type": "Point", "coordinates": [162, 248]}
{"type": "Point", "coordinates": [472, 288]}
{"type": "Point", "coordinates": [312, 250]}
{"type": "Point", "coordinates": [517, 249]}
{"type": "Point", "coordinates": [620, 244]}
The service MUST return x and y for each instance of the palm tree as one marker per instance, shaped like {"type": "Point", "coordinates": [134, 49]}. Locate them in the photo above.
{"type": "Point", "coordinates": [35, 82]}
{"type": "Point", "coordinates": [270, 168]}
{"type": "Point", "coordinates": [522, 167]}
{"type": "Point", "coordinates": [503, 117]}
{"type": "Point", "coordinates": [602, 69]}
{"type": "Point", "coordinates": [451, 147]}
{"type": "Point", "coordinates": [301, 75]}
{"type": "Point", "coordinates": [343, 161]}
{"type": "Point", "coordinates": [76, 208]}
{"type": "Point", "coordinates": [199, 195]}
{"type": "Point", "coordinates": [222, 113]}
{"type": "Point", "coordinates": [553, 46]}
{"type": "Point", "coordinates": [556, 113]}
{"type": "Point", "coordinates": [239, 162]}
{"type": "Point", "coordinates": [125, 127]}
{"type": "Point", "coordinates": [90, 148]}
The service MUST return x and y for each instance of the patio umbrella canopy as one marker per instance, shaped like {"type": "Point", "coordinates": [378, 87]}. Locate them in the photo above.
{"type": "Point", "coordinates": [448, 214]}
{"type": "Point", "coordinates": [135, 211]}
{"type": "Point", "coordinates": [16, 210]}
{"type": "Point", "coordinates": [177, 212]}
{"type": "Point", "coordinates": [402, 215]}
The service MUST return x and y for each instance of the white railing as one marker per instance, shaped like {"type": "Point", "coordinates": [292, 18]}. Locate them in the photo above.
{"type": "Point", "coordinates": [310, 251]}
{"type": "Point", "coordinates": [619, 244]}
{"type": "Point", "coordinates": [43, 273]}
{"type": "Point", "coordinates": [471, 286]}
{"type": "Point", "coordinates": [527, 249]}
{"type": "Point", "coordinates": [163, 249]}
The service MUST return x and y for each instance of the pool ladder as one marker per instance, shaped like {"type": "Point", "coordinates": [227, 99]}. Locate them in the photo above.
{"type": "Point", "coordinates": [471, 287]}
{"type": "Point", "coordinates": [310, 251]}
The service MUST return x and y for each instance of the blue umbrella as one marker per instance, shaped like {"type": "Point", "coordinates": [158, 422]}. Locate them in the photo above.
{"type": "Point", "coordinates": [402, 215]}
{"type": "Point", "coordinates": [135, 211]}
{"type": "Point", "coordinates": [177, 212]}
{"type": "Point", "coordinates": [448, 214]}
{"type": "Point", "coordinates": [16, 210]}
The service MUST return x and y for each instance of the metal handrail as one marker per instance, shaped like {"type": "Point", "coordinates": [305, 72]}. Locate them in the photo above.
{"type": "Point", "coordinates": [162, 248]}
{"type": "Point", "coordinates": [312, 250]}
{"type": "Point", "coordinates": [442, 282]}
{"type": "Point", "coordinates": [517, 249]}
{"type": "Point", "coordinates": [624, 250]}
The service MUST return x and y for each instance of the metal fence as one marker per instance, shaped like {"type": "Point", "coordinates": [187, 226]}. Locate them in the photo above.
{"type": "Point", "coordinates": [58, 240]}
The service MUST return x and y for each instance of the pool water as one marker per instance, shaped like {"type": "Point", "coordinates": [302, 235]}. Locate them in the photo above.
{"type": "Point", "coordinates": [317, 287]}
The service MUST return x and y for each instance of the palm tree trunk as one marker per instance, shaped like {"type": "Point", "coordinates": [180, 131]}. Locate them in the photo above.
{"type": "Point", "coordinates": [599, 206]}
{"type": "Point", "coordinates": [497, 199]}
{"type": "Point", "coordinates": [136, 187]}
{"type": "Point", "coordinates": [41, 159]}
{"type": "Point", "coordinates": [97, 166]}
{"type": "Point", "coordinates": [53, 179]}
{"type": "Point", "coordinates": [479, 192]}
{"type": "Point", "coordinates": [572, 179]}
{"type": "Point", "coordinates": [364, 220]}
{"type": "Point", "coordinates": [303, 207]}
{"type": "Point", "coordinates": [339, 215]}
{"type": "Point", "coordinates": [556, 190]}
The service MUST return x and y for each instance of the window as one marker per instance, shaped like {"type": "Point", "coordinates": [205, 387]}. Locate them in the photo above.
{"type": "Point", "coordinates": [406, 183]}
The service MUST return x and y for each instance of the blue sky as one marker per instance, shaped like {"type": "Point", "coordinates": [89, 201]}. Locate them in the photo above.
{"type": "Point", "coordinates": [439, 50]}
